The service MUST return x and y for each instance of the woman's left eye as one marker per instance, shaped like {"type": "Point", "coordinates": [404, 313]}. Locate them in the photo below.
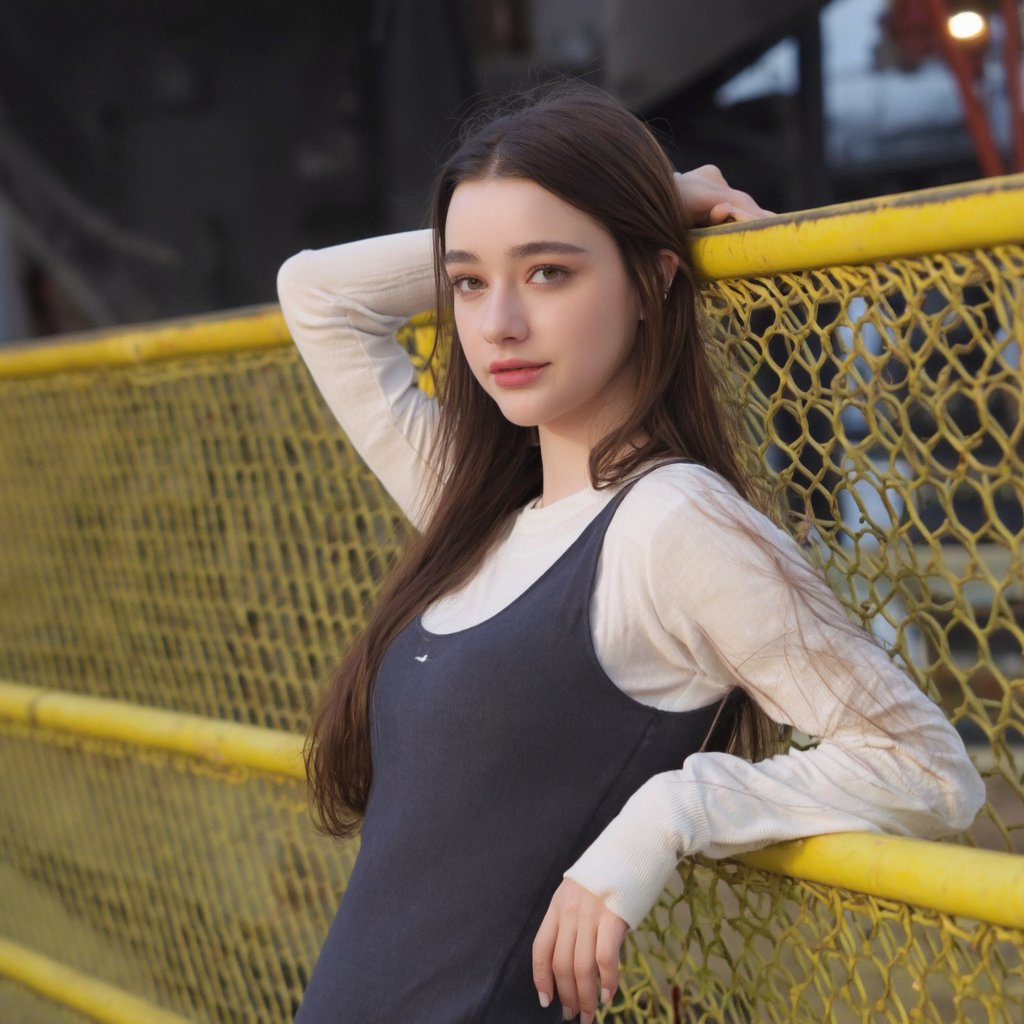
{"type": "Point", "coordinates": [548, 275]}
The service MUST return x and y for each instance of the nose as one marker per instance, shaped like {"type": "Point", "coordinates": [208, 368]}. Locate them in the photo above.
{"type": "Point", "coordinates": [504, 316]}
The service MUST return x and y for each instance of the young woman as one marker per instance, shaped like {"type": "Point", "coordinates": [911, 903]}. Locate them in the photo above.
{"type": "Point", "coordinates": [590, 585]}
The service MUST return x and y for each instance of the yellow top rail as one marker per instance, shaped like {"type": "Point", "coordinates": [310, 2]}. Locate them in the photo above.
{"type": "Point", "coordinates": [77, 991]}
{"type": "Point", "coordinates": [914, 871]}
{"type": "Point", "coordinates": [971, 215]}
{"type": "Point", "coordinates": [238, 330]}
{"type": "Point", "coordinates": [209, 739]}
{"type": "Point", "coordinates": [909, 870]}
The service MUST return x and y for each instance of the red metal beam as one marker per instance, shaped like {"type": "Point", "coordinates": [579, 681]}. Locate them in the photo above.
{"type": "Point", "coordinates": [989, 160]}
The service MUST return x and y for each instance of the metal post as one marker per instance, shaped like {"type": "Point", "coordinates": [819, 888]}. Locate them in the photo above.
{"type": "Point", "coordinates": [1011, 61]}
{"type": "Point", "coordinates": [989, 159]}
{"type": "Point", "coordinates": [815, 188]}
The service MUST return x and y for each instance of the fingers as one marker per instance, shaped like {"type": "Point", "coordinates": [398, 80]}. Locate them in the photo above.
{"type": "Point", "coordinates": [543, 952]}
{"type": "Point", "coordinates": [576, 953]}
{"type": "Point", "coordinates": [721, 213]}
{"type": "Point", "coordinates": [585, 975]}
{"type": "Point", "coordinates": [610, 935]}
{"type": "Point", "coordinates": [739, 207]}
{"type": "Point", "coordinates": [564, 964]}
{"type": "Point", "coordinates": [708, 198]}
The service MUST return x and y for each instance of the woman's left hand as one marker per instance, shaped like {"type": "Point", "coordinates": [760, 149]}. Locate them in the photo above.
{"type": "Point", "coordinates": [577, 947]}
{"type": "Point", "coordinates": [709, 199]}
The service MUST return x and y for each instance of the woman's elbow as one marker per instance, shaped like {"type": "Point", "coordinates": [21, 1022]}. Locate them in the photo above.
{"type": "Point", "coordinates": [957, 794]}
{"type": "Point", "coordinates": [291, 276]}
{"type": "Point", "coordinates": [967, 795]}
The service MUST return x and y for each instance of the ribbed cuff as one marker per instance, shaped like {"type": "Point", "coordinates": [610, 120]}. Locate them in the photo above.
{"type": "Point", "coordinates": [636, 856]}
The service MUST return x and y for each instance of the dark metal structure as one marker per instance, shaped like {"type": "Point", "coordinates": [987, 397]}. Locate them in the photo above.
{"type": "Point", "coordinates": [163, 158]}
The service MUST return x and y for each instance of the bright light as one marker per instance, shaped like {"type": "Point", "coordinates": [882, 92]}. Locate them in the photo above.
{"type": "Point", "coordinates": [967, 25]}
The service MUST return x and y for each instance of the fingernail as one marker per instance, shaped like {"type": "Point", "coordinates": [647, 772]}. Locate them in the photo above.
{"type": "Point", "coordinates": [567, 1014]}
{"type": "Point", "coordinates": [605, 995]}
{"type": "Point", "coordinates": [545, 999]}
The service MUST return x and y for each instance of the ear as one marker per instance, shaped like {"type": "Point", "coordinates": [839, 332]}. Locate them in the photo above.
{"type": "Point", "coordinates": [669, 266]}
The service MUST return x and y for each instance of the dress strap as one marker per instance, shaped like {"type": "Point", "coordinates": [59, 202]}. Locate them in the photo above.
{"type": "Point", "coordinates": [608, 511]}
{"type": "Point", "coordinates": [723, 725]}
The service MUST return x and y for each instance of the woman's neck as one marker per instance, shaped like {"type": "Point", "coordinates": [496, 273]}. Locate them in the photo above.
{"type": "Point", "coordinates": [566, 465]}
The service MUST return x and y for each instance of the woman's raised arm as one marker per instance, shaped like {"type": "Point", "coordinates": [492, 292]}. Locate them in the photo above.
{"type": "Point", "coordinates": [343, 306]}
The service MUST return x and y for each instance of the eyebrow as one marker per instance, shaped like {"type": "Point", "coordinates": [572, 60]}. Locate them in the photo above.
{"type": "Point", "coordinates": [517, 251]}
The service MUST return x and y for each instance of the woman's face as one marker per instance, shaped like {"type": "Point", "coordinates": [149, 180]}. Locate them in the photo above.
{"type": "Point", "coordinates": [545, 311]}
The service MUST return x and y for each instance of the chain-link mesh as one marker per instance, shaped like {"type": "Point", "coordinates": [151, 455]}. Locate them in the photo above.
{"type": "Point", "coordinates": [193, 536]}
{"type": "Point", "coordinates": [894, 403]}
{"type": "Point", "coordinates": [22, 1006]}
{"type": "Point", "coordinates": [735, 945]}
{"type": "Point", "coordinates": [203, 890]}
{"type": "Point", "coordinates": [197, 535]}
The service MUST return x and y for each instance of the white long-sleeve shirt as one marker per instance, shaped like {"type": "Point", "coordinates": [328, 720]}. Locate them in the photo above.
{"type": "Point", "coordinates": [696, 591]}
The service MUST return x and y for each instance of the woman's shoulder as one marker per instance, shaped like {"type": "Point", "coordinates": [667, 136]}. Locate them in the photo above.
{"type": "Point", "coordinates": [686, 505]}
{"type": "Point", "coordinates": [672, 489]}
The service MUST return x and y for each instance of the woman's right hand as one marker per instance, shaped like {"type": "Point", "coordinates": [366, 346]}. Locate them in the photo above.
{"type": "Point", "coordinates": [709, 199]}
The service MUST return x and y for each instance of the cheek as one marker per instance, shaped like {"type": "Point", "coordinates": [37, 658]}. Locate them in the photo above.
{"type": "Point", "coordinates": [465, 335]}
{"type": "Point", "coordinates": [615, 322]}
{"type": "Point", "coordinates": [596, 313]}
{"type": "Point", "coordinates": [617, 303]}
{"type": "Point", "coordinates": [474, 352]}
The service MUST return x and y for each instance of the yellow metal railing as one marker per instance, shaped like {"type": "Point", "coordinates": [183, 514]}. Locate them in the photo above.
{"type": "Point", "coordinates": [976, 215]}
{"type": "Point", "coordinates": [238, 331]}
{"type": "Point", "coordinates": [928, 875]}
{"type": "Point", "coordinates": [953, 218]}
{"type": "Point", "coordinates": [248, 747]}
{"type": "Point", "coordinates": [78, 991]}
{"type": "Point", "coordinates": [187, 542]}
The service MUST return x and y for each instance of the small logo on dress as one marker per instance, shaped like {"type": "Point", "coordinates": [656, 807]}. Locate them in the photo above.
{"type": "Point", "coordinates": [421, 657]}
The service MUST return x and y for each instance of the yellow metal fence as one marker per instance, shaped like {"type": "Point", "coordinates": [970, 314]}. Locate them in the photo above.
{"type": "Point", "coordinates": [187, 542]}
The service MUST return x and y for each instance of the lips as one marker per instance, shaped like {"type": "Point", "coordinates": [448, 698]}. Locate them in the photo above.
{"type": "Point", "coordinates": [501, 365]}
{"type": "Point", "coordinates": [515, 373]}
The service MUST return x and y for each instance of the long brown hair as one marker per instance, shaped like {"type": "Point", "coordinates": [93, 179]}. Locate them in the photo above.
{"type": "Point", "coordinates": [590, 151]}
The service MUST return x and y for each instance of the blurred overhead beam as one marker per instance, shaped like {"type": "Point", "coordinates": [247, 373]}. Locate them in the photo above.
{"type": "Point", "coordinates": [662, 46]}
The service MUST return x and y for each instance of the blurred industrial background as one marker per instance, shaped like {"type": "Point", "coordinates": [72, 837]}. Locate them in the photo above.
{"type": "Point", "coordinates": [162, 158]}
{"type": "Point", "coordinates": [188, 540]}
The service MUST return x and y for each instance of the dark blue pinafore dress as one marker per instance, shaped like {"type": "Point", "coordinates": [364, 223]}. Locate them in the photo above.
{"type": "Point", "coordinates": [500, 752]}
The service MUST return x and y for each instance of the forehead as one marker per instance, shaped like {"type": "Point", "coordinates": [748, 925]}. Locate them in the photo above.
{"type": "Point", "coordinates": [500, 213]}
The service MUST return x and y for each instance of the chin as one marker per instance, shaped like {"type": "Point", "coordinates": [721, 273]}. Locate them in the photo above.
{"type": "Point", "coordinates": [518, 417]}
{"type": "Point", "coordinates": [522, 421]}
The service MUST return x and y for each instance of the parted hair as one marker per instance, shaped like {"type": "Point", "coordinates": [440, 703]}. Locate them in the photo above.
{"type": "Point", "coordinates": [587, 149]}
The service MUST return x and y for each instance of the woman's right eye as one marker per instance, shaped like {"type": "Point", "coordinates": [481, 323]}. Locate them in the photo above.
{"type": "Point", "coordinates": [465, 284]}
